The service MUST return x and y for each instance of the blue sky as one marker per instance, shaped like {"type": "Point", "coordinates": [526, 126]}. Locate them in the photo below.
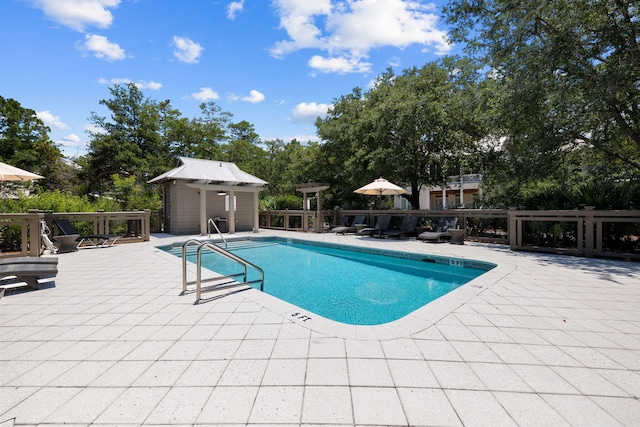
{"type": "Point", "coordinates": [277, 64]}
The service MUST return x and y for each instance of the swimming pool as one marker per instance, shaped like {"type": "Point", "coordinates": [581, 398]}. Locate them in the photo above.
{"type": "Point", "coordinates": [347, 284]}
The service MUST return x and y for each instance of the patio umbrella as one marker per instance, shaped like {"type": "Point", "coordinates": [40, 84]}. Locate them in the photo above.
{"type": "Point", "coordinates": [380, 187]}
{"type": "Point", "coordinates": [12, 173]}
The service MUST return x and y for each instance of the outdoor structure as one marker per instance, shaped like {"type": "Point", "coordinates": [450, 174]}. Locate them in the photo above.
{"type": "Point", "coordinates": [311, 188]}
{"type": "Point", "coordinates": [198, 190]}
{"type": "Point", "coordinates": [458, 192]}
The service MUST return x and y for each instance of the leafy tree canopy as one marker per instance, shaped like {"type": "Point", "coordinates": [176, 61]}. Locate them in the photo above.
{"type": "Point", "coordinates": [417, 128]}
{"type": "Point", "coordinates": [25, 143]}
{"type": "Point", "coordinates": [576, 64]}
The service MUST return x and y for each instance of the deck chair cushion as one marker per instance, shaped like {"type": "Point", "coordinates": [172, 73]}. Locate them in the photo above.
{"type": "Point", "coordinates": [440, 233]}
{"type": "Point", "coordinates": [406, 228]}
{"type": "Point", "coordinates": [29, 269]}
{"type": "Point", "coordinates": [381, 225]}
{"type": "Point", "coordinates": [351, 228]}
{"type": "Point", "coordinates": [103, 240]}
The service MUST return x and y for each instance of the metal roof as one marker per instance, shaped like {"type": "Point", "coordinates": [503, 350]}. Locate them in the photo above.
{"type": "Point", "coordinates": [209, 172]}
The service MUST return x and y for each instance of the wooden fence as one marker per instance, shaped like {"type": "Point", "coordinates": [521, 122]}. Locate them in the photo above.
{"type": "Point", "coordinates": [20, 234]}
{"type": "Point", "coordinates": [581, 232]}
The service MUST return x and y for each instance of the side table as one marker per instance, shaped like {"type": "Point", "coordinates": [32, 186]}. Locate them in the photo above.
{"type": "Point", "coordinates": [457, 236]}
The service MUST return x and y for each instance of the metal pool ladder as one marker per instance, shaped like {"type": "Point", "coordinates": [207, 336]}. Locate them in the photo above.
{"type": "Point", "coordinates": [222, 282]}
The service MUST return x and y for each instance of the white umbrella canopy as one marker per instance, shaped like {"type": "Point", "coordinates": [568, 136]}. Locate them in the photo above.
{"type": "Point", "coordinates": [12, 173]}
{"type": "Point", "coordinates": [381, 187]}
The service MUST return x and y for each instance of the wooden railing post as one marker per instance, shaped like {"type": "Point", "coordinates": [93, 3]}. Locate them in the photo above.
{"type": "Point", "coordinates": [589, 243]}
{"type": "Point", "coordinates": [512, 228]}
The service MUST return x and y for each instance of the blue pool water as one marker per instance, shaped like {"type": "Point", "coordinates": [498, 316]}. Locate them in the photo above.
{"type": "Point", "coordinates": [346, 285]}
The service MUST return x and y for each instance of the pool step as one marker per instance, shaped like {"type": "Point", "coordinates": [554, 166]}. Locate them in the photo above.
{"type": "Point", "coordinates": [232, 245]}
{"type": "Point", "coordinates": [244, 244]}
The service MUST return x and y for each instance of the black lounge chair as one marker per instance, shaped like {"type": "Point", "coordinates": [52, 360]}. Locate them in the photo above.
{"type": "Point", "coordinates": [440, 234]}
{"type": "Point", "coordinates": [351, 228]}
{"type": "Point", "coordinates": [29, 270]}
{"type": "Point", "coordinates": [100, 240]}
{"type": "Point", "coordinates": [407, 228]}
{"type": "Point", "coordinates": [381, 225]}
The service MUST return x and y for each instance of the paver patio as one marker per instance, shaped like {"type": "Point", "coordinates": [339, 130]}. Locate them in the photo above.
{"type": "Point", "coordinates": [547, 340]}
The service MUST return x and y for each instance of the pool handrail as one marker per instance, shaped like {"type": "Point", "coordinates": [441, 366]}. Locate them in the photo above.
{"type": "Point", "coordinates": [232, 257]}
{"type": "Point", "coordinates": [215, 248]}
{"type": "Point", "coordinates": [212, 222]}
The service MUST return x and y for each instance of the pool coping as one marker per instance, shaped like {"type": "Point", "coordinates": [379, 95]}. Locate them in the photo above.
{"type": "Point", "coordinates": [411, 324]}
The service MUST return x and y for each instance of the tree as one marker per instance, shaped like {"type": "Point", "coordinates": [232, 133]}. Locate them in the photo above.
{"type": "Point", "coordinates": [130, 144]}
{"type": "Point", "coordinates": [580, 60]}
{"type": "Point", "coordinates": [416, 128]}
{"type": "Point", "coordinates": [25, 143]}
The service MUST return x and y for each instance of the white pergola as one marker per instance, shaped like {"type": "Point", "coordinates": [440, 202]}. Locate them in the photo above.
{"type": "Point", "coordinates": [305, 189]}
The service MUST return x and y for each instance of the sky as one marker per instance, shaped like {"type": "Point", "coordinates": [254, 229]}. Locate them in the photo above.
{"type": "Point", "coordinates": [278, 64]}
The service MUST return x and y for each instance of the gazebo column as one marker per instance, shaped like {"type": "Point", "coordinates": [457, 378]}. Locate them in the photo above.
{"type": "Point", "coordinates": [318, 224]}
{"type": "Point", "coordinates": [305, 223]}
{"type": "Point", "coordinates": [203, 211]}
{"type": "Point", "coordinates": [256, 213]}
{"type": "Point", "coordinates": [232, 213]}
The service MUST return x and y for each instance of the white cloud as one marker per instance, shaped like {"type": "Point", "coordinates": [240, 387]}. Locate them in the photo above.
{"type": "Point", "coordinates": [339, 65]}
{"type": "Point", "coordinates": [71, 140]}
{"type": "Point", "coordinates": [93, 129]}
{"type": "Point", "coordinates": [51, 120]}
{"type": "Point", "coordinates": [348, 31]}
{"type": "Point", "coordinates": [78, 14]}
{"type": "Point", "coordinates": [233, 8]}
{"type": "Point", "coordinates": [254, 97]}
{"type": "Point", "coordinates": [186, 50]}
{"type": "Point", "coordinates": [205, 94]}
{"type": "Point", "coordinates": [141, 84]}
{"type": "Point", "coordinates": [309, 112]}
{"type": "Point", "coordinates": [102, 48]}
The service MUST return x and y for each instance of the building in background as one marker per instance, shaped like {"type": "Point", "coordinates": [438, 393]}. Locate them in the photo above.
{"type": "Point", "coordinates": [459, 192]}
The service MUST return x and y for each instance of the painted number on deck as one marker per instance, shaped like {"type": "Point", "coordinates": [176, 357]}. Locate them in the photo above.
{"type": "Point", "coordinates": [300, 316]}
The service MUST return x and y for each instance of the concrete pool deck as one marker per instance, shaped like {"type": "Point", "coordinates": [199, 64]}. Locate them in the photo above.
{"type": "Point", "coordinates": [547, 340]}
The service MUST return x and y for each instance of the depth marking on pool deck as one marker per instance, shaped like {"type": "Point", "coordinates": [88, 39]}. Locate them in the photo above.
{"type": "Point", "coordinates": [299, 316]}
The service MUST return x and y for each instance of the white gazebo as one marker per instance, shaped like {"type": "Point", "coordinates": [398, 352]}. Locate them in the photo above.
{"type": "Point", "coordinates": [198, 190]}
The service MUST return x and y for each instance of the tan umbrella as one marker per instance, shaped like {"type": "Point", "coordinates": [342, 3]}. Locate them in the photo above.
{"type": "Point", "coordinates": [12, 173]}
{"type": "Point", "coordinates": [380, 187]}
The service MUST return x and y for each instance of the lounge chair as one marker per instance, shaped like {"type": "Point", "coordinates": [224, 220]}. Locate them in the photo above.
{"type": "Point", "coordinates": [440, 234]}
{"type": "Point", "coordinates": [407, 228]}
{"type": "Point", "coordinates": [100, 240]}
{"type": "Point", "coordinates": [351, 228]}
{"type": "Point", "coordinates": [381, 225]}
{"type": "Point", "coordinates": [28, 269]}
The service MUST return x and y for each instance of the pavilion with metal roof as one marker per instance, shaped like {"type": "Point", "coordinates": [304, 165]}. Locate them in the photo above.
{"type": "Point", "coordinates": [187, 189]}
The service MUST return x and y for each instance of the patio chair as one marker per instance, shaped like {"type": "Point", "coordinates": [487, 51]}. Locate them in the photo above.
{"type": "Point", "coordinates": [351, 228]}
{"type": "Point", "coordinates": [407, 228]}
{"type": "Point", "coordinates": [440, 234]}
{"type": "Point", "coordinates": [29, 270]}
{"type": "Point", "coordinates": [97, 240]}
{"type": "Point", "coordinates": [381, 225]}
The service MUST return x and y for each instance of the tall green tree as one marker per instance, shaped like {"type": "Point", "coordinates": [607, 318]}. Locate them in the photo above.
{"type": "Point", "coordinates": [575, 63]}
{"type": "Point", "coordinates": [129, 143]}
{"type": "Point", "coordinates": [416, 128]}
{"type": "Point", "coordinates": [202, 136]}
{"type": "Point", "coordinates": [243, 147]}
{"type": "Point", "coordinates": [25, 143]}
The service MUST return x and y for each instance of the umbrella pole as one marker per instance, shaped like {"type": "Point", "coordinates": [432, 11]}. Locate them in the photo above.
{"type": "Point", "coordinates": [379, 215]}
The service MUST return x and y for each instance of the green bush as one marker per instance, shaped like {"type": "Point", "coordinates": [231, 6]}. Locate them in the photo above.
{"type": "Point", "coordinates": [288, 202]}
{"type": "Point", "coordinates": [57, 201]}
